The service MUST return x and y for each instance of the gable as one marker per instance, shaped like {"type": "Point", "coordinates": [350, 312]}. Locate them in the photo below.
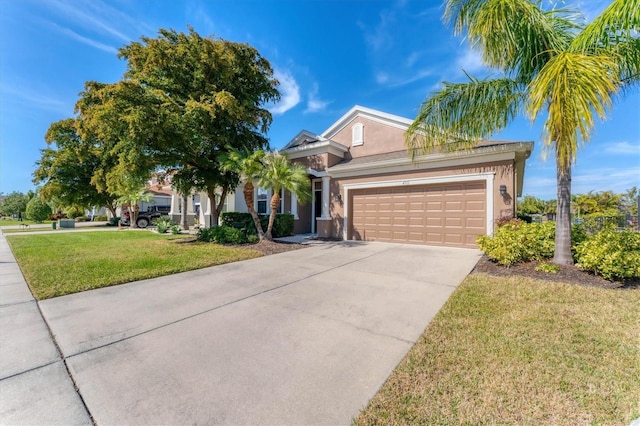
{"type": "Point", "coordinates": [368, 132]}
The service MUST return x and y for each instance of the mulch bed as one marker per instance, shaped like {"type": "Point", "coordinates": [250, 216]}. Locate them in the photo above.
{"type": "Point", "coordinates": [566, 274]}
{"type": "Point", "coordinates": [272, 247]}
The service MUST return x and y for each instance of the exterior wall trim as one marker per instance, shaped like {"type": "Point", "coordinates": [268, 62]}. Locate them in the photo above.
{"type": "Point", "coordinates": [423, 163]}
{"type": "Point", "coordinates": [322, 147]}
{"type": "Point", "coordinates": [488, 177]}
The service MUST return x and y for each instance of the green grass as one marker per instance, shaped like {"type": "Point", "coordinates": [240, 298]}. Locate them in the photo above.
{"type": "Point", "coordinates": [30, 230]}
{"type": "Point", "coordinates": [15, 222]}
{"type": "Point", "coordinates": [520, 351]}
{"type": "Point", "coordinates": [58, 264]}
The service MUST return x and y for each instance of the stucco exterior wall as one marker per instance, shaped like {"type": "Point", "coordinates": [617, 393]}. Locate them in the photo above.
{"type": "Point", "coordinates": [378, 138]}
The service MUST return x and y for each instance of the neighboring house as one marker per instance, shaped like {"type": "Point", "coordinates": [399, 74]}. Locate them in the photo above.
{"type": "Point", "coordinates": [365, 186]}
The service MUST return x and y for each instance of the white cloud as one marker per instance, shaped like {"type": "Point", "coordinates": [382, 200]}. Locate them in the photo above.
{"type": "Point", "coordinates": [86, 40]}
{"type": "Point", "coordinates": [470, 61]}
{"type": "Point", "coordinates": [39, 97]}
{"type": "Point", "coordinates": [314, 104]}
{"type": "Point", "coordinates": [624, 147]}
{"type": "Point", "coordinates": [289, 90]}
{"type": "Point", "coordinates": [98, 17]}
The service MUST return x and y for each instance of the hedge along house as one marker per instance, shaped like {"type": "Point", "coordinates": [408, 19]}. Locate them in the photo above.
{"type": "Point", "coordinates": [366, 187]}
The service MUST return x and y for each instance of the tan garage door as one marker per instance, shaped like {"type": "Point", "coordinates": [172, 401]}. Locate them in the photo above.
{"type": "Point", "coordinates": [444, 214]}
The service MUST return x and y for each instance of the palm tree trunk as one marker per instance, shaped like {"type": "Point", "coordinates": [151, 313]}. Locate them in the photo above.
{"type": "Point", "coordinates": [275, 202]}
{"type": "Point", "coordinates": [183, 215]}
{"type": "Point", "coordinates": [562, 253]}
{"type": "Point", "coordinates": [248, 199]}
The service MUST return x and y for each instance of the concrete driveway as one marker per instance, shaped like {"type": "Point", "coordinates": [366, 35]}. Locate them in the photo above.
{"type": "Point", "coordinates": [303, 337]}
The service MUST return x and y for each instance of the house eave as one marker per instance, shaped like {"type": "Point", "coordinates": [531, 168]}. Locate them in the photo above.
{"type": "Point", "coordinates": [432, 161]}
{"type": "Point", "coordinates": [320, 147]}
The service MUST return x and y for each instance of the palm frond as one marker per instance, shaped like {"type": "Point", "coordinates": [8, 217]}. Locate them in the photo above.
{"type": "Point", "coordinates": [462, 113]}
{"type": "Point", "coordinates": [618, 23]}
{"type": "Point", "coordinates": [574, 89]}
{"type": "Point", "coordinates": [500, 28]}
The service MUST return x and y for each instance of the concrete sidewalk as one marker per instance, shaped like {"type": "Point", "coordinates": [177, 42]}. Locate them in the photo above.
{"type": "Point", "coordinates": [302, 337]}
{"type": "Point", "coordinates": [35, 387]}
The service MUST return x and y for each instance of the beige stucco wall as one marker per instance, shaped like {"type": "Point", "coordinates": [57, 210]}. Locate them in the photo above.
{"type": "Point", "coordinates": [378, 138]}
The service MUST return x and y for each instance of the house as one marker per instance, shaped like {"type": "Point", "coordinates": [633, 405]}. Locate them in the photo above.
{"type": "Point", "coordinates": [365, 186]}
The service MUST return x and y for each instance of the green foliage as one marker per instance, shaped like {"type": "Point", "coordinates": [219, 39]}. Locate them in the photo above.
{"type": "Point", "coordinates": [223, 235]}
{"type": "Point", "coordinates": [282, 225]}
{"type": "Point", "coordinates": [37, 210]}
{"type": "Point", "coordinates": [519, 242]}
{"type": "Point", "coordinates": [611, 254]}
{"type": "Point", "coordinates": [163, 225]}
{"type": "Point", "coordinates": [100, 218]}
{"type": "Point", "coordinates": [14, 203]}
{"type": "Point", "coordinates": [548, 267]}
{"type": "Point", "coordinates": [67, 168]}
{"type": "Point", "coordinates": [114, 221]}
{"type": "Point", "coordinates": [531, 205]}
{"type": "Point", "coordinates": [176, 229]}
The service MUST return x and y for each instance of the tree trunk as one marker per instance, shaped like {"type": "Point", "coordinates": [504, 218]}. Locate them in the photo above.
{"type": "Point", "coordinates": [112, 209]}
{"type": "Point", "coordinates": [133, 219]}
{"type": "Point", "coordinates": [183, 215]}
{"type": "Point", "coordinates": [248, 199]}
{"type": "Point", "coordinates": [275, 202]}
{"type": "Point", "coordinates": [562, 253]}
{"type": "Point", "coordinates": [216, 207]}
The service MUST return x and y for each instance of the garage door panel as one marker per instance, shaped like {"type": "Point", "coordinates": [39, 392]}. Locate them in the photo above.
{"type": "Point", "coordinates": [442, 214]}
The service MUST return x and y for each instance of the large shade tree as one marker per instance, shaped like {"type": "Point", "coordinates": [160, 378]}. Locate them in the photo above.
{"type": "Point", "coordinates": [184, 100]}
{"type": "Point", "coordinates": [67, 168]}
{"type": "Point", "coordinates": [552, 64]}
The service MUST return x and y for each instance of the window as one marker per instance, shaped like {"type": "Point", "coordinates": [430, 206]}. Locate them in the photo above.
{"type": "Point", "coordinates": [262, 200]}
{"type": "Point", "coordinates": [357, 134]}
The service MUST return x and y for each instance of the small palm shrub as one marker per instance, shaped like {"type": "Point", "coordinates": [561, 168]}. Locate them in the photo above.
{"type": "Point", "coordinates": [176, 229]}
{"type": "Point", "coordinates": [611, 254]}
{"type": "Point", "coordinates": [163, 225]}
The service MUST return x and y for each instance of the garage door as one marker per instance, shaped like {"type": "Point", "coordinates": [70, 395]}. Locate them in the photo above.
{"type": "Point", "coordinates": [444, 214]}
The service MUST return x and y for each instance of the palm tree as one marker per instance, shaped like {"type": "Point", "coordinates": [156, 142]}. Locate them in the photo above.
{"type": "Point", "coordinates": [277, 174]}
{"type": "Point", "coordinates": [132, 198]}
{"type": "Point", "coordinates": [552, 64]}
{"type": "Point", "coordinates": [249, 165]}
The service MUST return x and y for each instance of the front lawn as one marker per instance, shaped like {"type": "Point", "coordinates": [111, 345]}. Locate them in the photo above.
{"type": "Point", "coordinates": [513, 350]}
{"type": "Point", "coordinates": [59, 264]}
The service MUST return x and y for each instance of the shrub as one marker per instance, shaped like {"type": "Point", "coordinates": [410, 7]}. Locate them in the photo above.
{"type": "Point", "coordinates": [206, 234]}
{"type": "Point", "coordinates": [282, 225]}
{"type": "Point", "coordinates": [100, 218]}
{"type": "Point", "coordinates": [37, 210]}
{"type": "Point", "coordinates": [611, 254]}
{"type": "Point", "coordinates": [176, 229]}
{"type": "Point", "coordinates": [81, 219]}
{"type": "Point", "coordinates": [163, 225]}
{"type": "Point", "coordinates": [114, 221]}
{"type": "Point", "coordinates": [222, 235]}
{"type": "Point", "coordinates": [517, 241]}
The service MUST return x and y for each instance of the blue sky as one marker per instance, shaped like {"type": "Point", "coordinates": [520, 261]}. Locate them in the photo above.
{"type": "Point", "coordinates": [328, 55]}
